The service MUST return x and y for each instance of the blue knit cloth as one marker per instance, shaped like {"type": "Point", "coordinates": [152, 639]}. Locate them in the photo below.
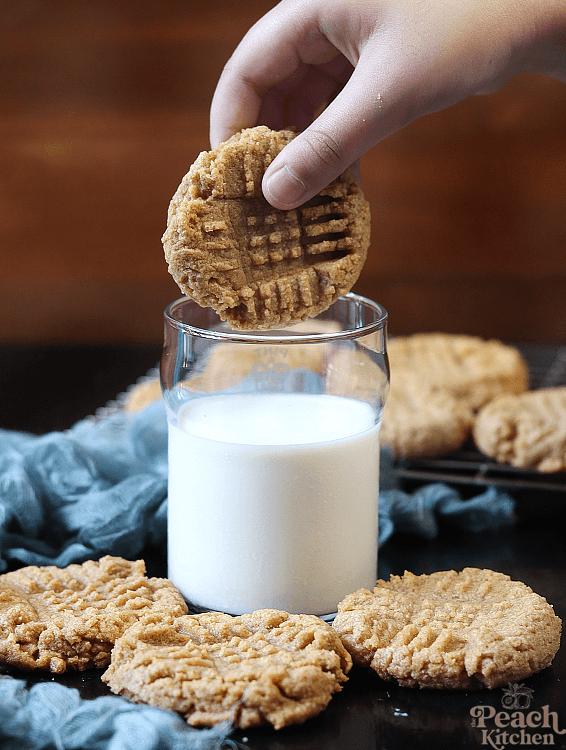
{"type": "Point", "coordinates": [101, 488]}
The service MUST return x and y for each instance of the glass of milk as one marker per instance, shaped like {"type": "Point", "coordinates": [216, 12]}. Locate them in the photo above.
{"type": "Point", "coordinates": [274, 457]}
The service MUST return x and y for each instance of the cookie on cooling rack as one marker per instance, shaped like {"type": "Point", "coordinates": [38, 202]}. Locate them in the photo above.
{"type": "Point", "coordinates": [466, 630]}
{"type": "Point", "coordinates": [260, 267]}
{"type": "Point", "coordinates": [69, 618]}
{"type": "Point", "coordinates": [419, 421]}
{"type": "Point", "coordinates": [438, 380]}
{"type": "Point", "coordinates": [142, 394]}
{"type": "Point", "coordinates": [471, 369]}
{"type": "Point", "coordinates": [527, 430]}
{"type": "Point", "coordinates": [264, 667]}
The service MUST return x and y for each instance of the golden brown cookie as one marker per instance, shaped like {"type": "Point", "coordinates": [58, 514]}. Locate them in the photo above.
{"type": "Point", "coordinates": [527, 430]}
{"type": "Point", "coordinates": [471, 369]}
{"type": "Point", "coordinates": [437, 381]}
{"type": "Point", "coordinates": [263, 667]}
{"type": "Point", "coordinates": [419, 421]}
{"type": "Point", "coordinates": [142, 394]}
{"type": "Point", "coordinates": [69, 618]}
{"type": "Point", "coordinates": [466, 630]}
{"type": "Point", "coordinates": [257, 266]}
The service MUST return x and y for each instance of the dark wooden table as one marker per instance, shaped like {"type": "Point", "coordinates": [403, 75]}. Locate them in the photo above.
{"type": "Point", "coordinates": [51, 387]}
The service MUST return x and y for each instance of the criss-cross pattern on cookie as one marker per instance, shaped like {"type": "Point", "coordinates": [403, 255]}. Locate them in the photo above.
{"type": "Point", "coordinates": [476, 628]}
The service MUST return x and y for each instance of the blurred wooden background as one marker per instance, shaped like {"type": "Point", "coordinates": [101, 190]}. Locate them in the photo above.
{"type": "Point", "coordinates": [104, 106]}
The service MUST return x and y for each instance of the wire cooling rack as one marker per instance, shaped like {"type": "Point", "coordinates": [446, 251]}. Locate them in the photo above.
{"type": "Point", "coordinates": [468, 467]}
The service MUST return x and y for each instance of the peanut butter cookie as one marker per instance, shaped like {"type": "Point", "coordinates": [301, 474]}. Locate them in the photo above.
{"type": "Point", "coordinates": [438, 380]}
{"type": "Point", "coordinates": [526, 430]}
{"type": "Point", "coordinates": [142, 394]}
{"type": "Point", "coordinates": [472, 369]}
{"type": "Point", "coordinates": [466, 630]}
{"type": "Point", "coordinates": [257, 266]}
{"type": "Point", "coordinates": [419, 421]}
{"type": "Point", "coordinates": [263, 667]}
{"type": "Point", "coordinates": [69, 618]}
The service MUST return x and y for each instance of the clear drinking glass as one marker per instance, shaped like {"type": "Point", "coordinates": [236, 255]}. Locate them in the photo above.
{"type": "Point", "coordinates": [274, 457]}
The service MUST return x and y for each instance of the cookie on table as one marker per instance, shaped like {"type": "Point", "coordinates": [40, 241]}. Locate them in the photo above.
{"type": "Point", "coordinates": [466, 630]}
{"type": "Point", "coordinates": [419, 421]}
{"type": "Point", "coordinates": [526, 431]}
{"type": "Point", "coordinates": [264, 667]}
{"type": "Point", "coordinates": [260, 267]}
{"type": "Point", "coordinates": [69, 618]}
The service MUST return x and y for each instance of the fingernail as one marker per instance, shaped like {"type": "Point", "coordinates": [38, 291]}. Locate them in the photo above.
{"type": "Point", "coordinates": [285, 187]}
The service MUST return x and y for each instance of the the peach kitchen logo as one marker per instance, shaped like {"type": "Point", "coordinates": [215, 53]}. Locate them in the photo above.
{"type": "Point", "coordinates": [516, 725]}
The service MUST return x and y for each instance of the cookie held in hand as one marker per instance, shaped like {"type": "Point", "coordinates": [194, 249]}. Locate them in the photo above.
{"type": "Point", "coordinates": [69, 618]}
{"type": "Point", "coordinates": [258, 668]}
{"type": "Point", "coordinates": [260, 267]}
{"type": "Point", "coordinates": [466, 630]}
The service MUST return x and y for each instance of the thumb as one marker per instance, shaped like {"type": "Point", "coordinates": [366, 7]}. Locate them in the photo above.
{"type": "Point", "coordinates": [334, 142]}
{"type": "Point", "coordinates": [300, 172]}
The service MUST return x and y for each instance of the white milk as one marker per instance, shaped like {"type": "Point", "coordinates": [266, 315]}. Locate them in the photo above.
{"type": "Point", "coordinates": [273, 501]}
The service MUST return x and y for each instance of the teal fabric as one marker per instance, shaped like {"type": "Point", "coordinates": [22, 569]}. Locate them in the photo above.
{"type": "Point", "coordinates": [422, 511]}
{"type": "Point", "coordinates": [49, 715]}
{"type": "Point", "coordinates": [99, 488]}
